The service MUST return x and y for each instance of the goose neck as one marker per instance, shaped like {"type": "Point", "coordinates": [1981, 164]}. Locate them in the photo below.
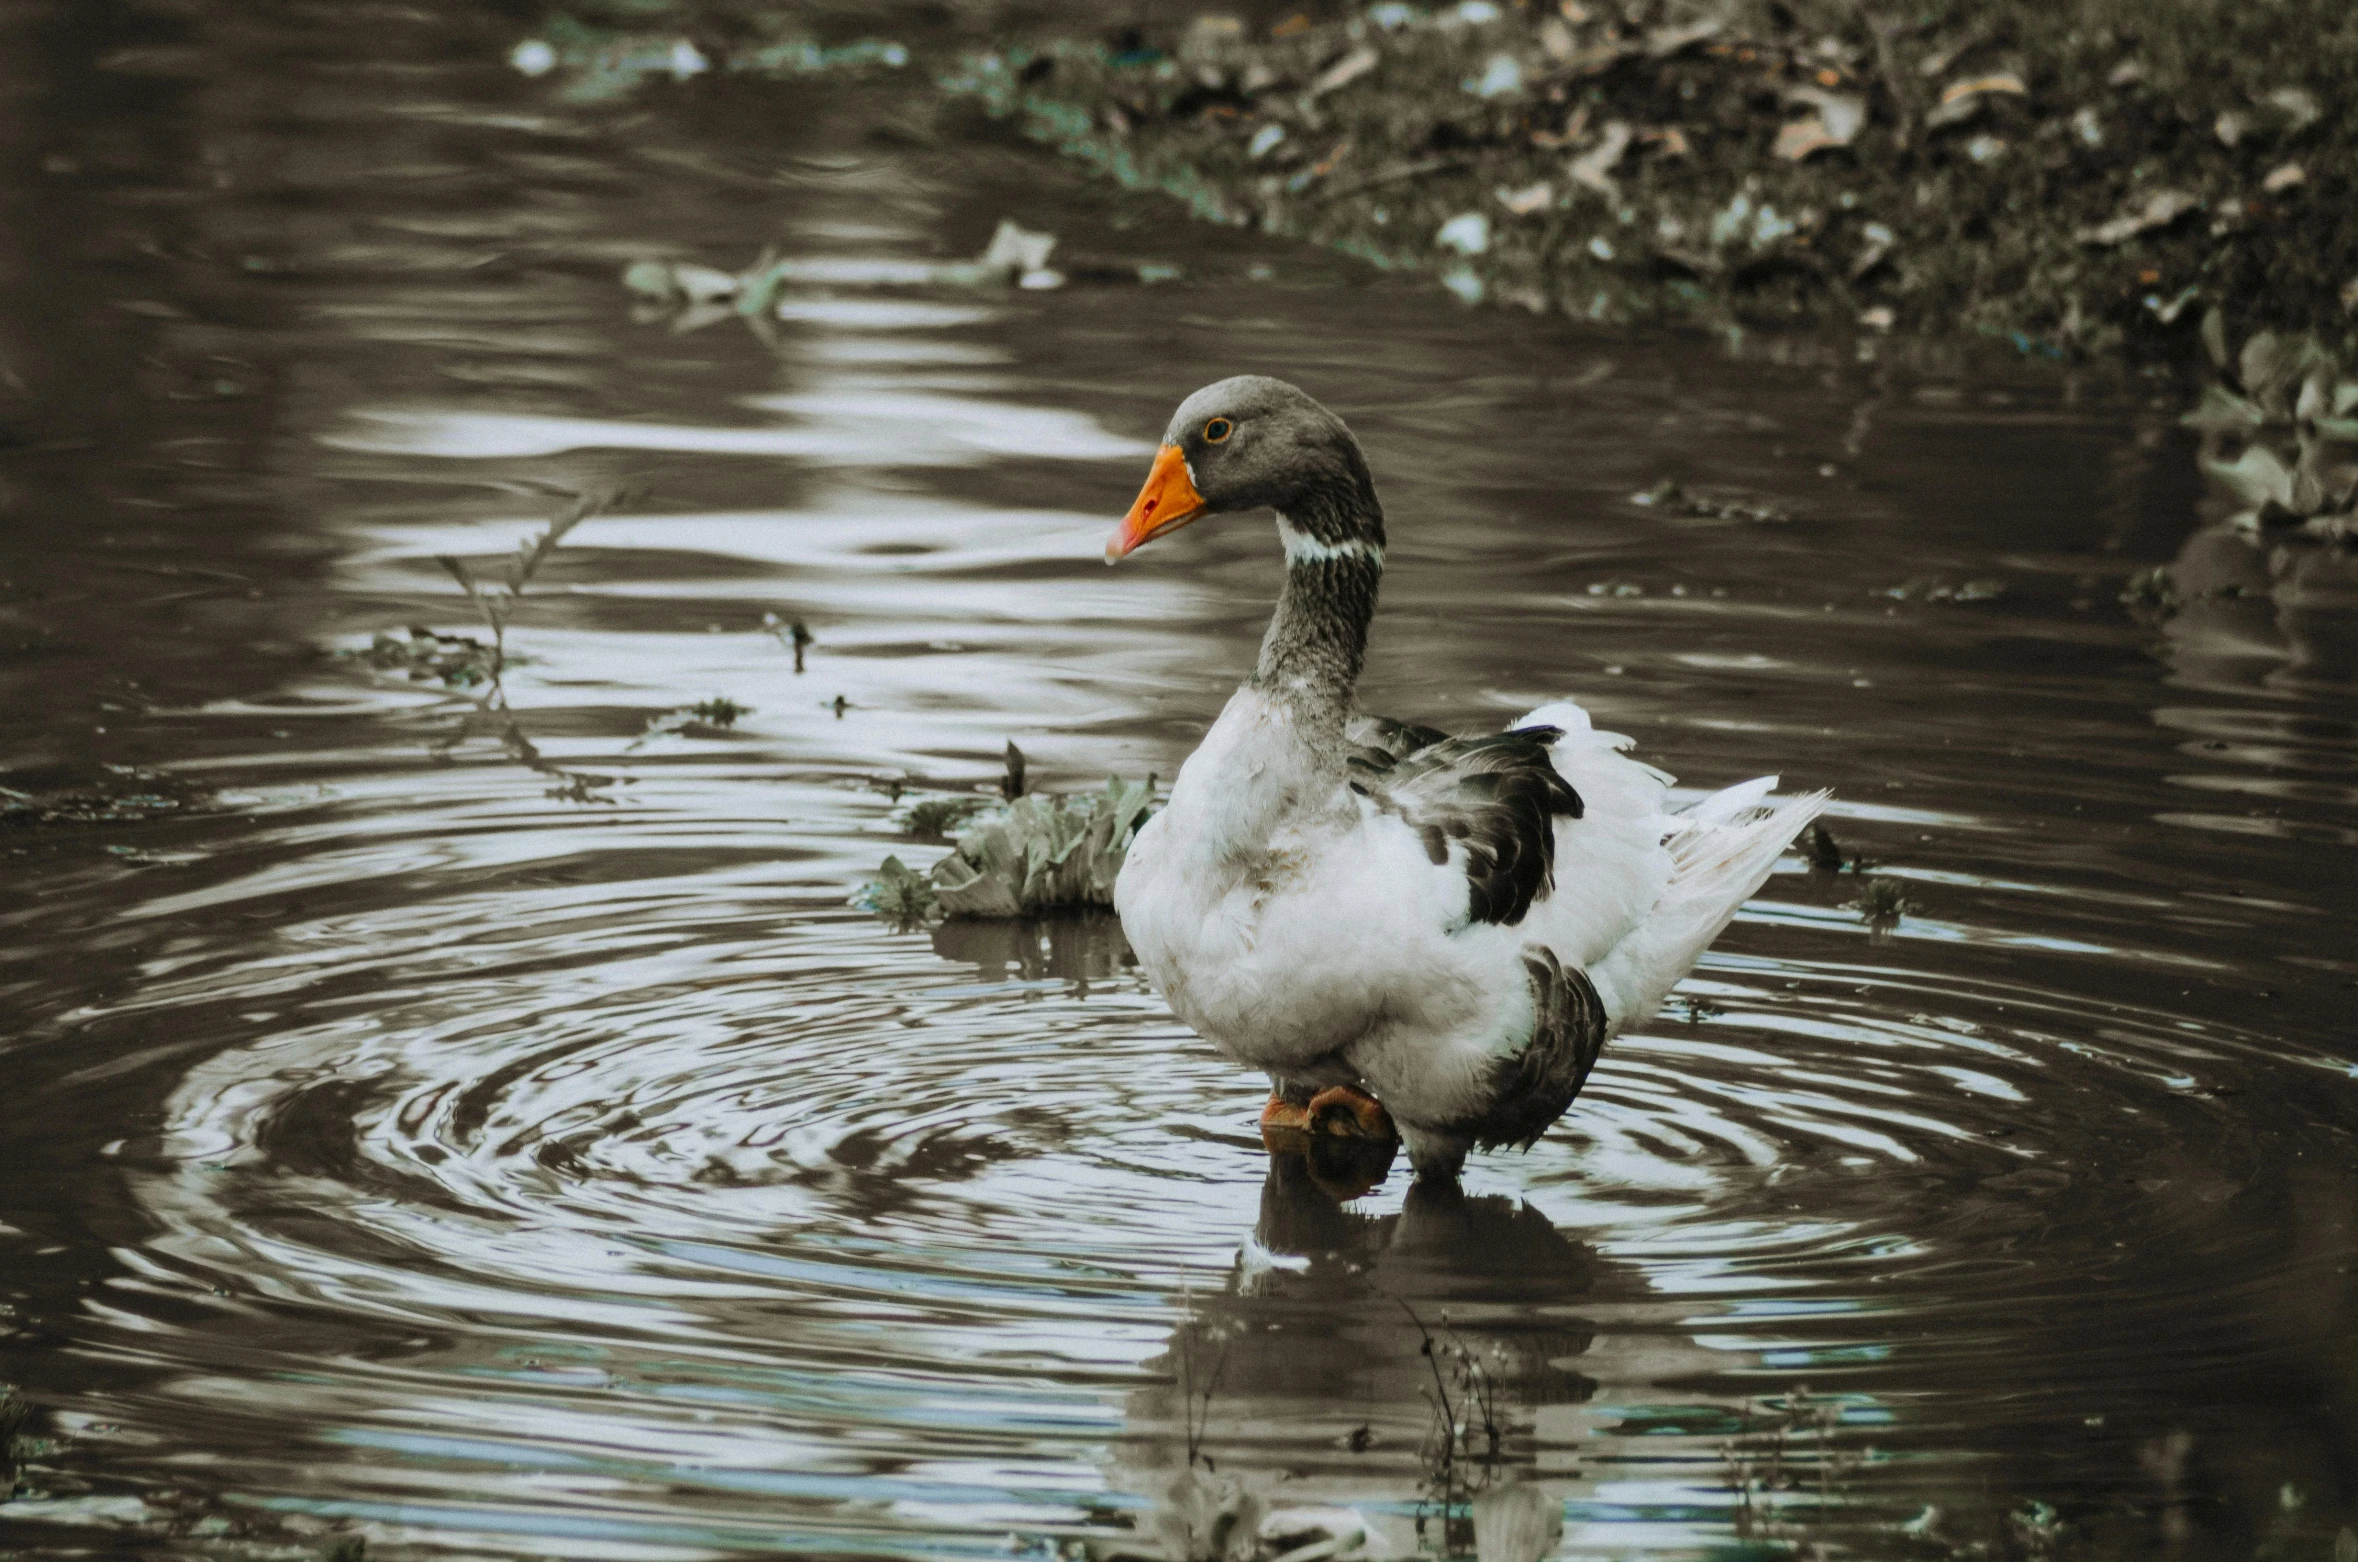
{"type": "Point", "coordinates": [1317, 639]}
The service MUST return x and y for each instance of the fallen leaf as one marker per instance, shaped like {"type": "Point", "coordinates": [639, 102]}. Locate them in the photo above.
{"type": "Point", "coordinates": [1838, 120]}
{"type": "Point", "coordinates": [1664, 42]}
{"type": "Point", "coordinates": [2284, 178]}
{"type": "Point", "coordinates": [1670, 141]}
{"type": "Point", "coordinates": [1501, 75]}
{"type": "Point", "coordinates": [1343, 72]}
{"type": "Point", "coordinates": [1594, 168]}
{"type": "Point", "coordinates": [1802, 137]}
{"type": "Point", "coordinates": [2298, 105]}
{"type": "Point", "coordinates": [2002, 81]}
{"type": "Point", "coordinates": [1573, 129]}
{"type": "Point", "coordinates": [2257, 477]}
{"type": "Point", "coordinates": [1938, 62]}
{"type": "Point", "coordinates": [2224, 412]}
{"type": "Point", "coordinates": [2126, 74]}
{"type": "Point", "coordinates": [2161, 208]}
{"type": "Point", "coordinates": [1529, 199]}
{"type": "Point", "coordinates": [2231, 127]}
{"type": "Point", "coordinates": [1880, 240]}
{"type": "Point", "coordinates": [1962, 100]}
{"type": "Point", "coordinates": [1468, 233]}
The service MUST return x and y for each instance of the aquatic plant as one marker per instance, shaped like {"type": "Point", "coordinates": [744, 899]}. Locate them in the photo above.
{"type": "Point", "coordinates": [1043, 852]}
{"type": "Point", "coordinates": [1465, 1442]}
{"type": "Point", "coordinates": [20, 1441]}
{"type": "Point", "coordinates": [720, 711]}
{"type": "Point", "coordinates": [1034, 854]}
{"type": "Point", "coordinates": [497, 601]}
{"type": "Point", "coordinates": [941, 817]}
{"type": "Point", "coordinates": [899, 896]}
{"type": "Point", "coordinates": [1785, 1442]}
{"type": "Point", "coordinates": [456, 661]}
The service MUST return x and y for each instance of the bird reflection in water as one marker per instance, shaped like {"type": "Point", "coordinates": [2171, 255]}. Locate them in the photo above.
{"type": "Point", "coordinates": [1081, 949]}
{"type": "Point", "coordinates": [1316, 1376]}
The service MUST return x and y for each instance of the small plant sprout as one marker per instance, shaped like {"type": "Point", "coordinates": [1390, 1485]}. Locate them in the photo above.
{"type": "Point", "coordinates": [2151, 594]}
{"type": "Point", "coordinates": [1880, 903]}
{"type": "Point", "coordinates": [1011, 783]}
{"type": "Point", "coordinates": [497, 603]}
{"type": "Point", "coordinates": [796, 637]}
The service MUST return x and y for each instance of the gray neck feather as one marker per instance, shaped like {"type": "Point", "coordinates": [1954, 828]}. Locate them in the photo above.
{"type": "Point", "coordinates": [1317, 639]}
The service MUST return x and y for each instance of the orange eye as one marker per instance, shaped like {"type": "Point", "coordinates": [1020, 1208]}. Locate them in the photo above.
{"type": "Point", "coordinates": [1217, 430]}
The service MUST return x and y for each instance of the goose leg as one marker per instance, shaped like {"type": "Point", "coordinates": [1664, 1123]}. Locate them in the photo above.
{"type": "Point", "coordinates": [1342, 1136]}
{"type": "Point", "coordinates": [1297, 1113]}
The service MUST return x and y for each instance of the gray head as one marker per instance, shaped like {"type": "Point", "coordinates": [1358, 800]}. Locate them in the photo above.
{"type": "Point", "coordinates": [1251, 442]}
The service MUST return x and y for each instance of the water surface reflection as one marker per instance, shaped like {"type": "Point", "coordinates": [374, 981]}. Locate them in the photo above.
{"type": "Point", "coordinates": [425, 1145]}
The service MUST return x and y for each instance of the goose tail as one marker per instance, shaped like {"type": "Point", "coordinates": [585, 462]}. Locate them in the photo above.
{"type": "Point", "coordinates": [1722, 850]}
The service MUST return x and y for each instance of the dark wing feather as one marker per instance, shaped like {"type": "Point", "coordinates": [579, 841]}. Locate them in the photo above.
{"type": "Point", "coordinates": [1535, 1086]}
{"type": "Point", "coordinates": [1496, 797]}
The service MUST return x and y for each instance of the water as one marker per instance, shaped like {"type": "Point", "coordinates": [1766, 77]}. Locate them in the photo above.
{"type": "Point", "coordinates": [493, 1134]}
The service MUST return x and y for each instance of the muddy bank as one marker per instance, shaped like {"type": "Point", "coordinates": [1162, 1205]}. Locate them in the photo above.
{"type": "Point", "coordinates": [2083, 179]}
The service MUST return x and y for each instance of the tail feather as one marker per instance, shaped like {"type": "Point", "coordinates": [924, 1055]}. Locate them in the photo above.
{"type": "Point", "coordinates": [1722, 850]}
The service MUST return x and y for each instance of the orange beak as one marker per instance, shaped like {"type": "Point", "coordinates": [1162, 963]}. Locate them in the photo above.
{"type": "Point", "coordinates": [1167, 502]}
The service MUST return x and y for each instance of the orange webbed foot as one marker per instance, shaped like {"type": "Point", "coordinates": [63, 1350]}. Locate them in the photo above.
{"type": "Point", "coordinates": [1338, 1111]}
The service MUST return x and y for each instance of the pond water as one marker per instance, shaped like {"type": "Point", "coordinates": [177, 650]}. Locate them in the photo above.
{"type": "Point", "coordinates": [491, 1133]}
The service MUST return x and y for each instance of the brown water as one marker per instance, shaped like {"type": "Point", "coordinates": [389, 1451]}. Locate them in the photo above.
{"type": "Point", "coordinates": [499, 1158]}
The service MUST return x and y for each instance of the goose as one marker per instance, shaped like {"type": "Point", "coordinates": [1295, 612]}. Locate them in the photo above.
{"type": "Point", "coordinates": [1415, 936]}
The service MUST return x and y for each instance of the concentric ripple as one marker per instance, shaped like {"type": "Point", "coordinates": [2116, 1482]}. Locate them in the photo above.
{"type": "Point", "coordinates": [482, 1125]}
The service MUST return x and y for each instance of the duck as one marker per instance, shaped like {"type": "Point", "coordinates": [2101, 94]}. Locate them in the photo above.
{"type": "Point", "coordinates": [1419, 938]}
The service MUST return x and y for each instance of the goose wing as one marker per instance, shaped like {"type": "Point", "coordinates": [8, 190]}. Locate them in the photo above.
{"type": "Point", "coordinates": [1483, 807]}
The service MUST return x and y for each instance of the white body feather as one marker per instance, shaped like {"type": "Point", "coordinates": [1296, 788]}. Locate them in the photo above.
{"type": "Point", "coordinates": [1305, 931]}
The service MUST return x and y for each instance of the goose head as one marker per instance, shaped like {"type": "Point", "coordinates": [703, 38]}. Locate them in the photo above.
{"type": "Point", "coordinates": [1249, 443]}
